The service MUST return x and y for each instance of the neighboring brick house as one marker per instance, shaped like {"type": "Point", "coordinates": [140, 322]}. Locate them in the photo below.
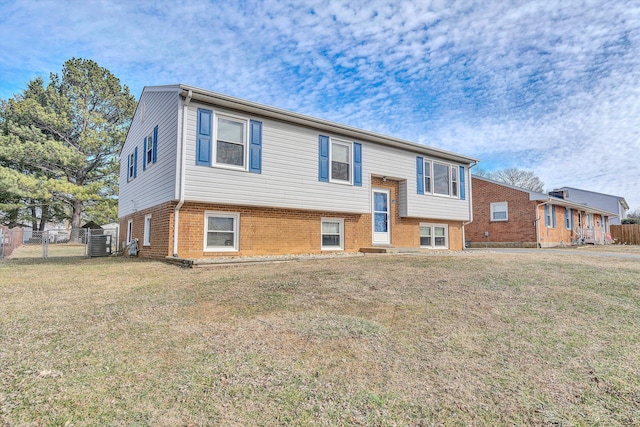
{"type": "Point", "coordinates": [207, 175]}
{"type": "Point", "coordinates": [505, 215]}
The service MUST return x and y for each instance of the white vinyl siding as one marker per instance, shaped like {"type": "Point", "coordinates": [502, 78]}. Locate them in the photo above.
{"type": "Point", "coordinates": [157, 184]}
{"type": "Point", "coordinates": [289, 176]}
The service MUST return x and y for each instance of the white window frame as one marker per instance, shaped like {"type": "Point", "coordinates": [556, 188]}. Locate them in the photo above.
{"type": "Point", "coordinates": [235, 247]}
{"type": "Point", "coordinates": [349, 146]}
{"type": "Point", "coordinates": [245, 141]}
{"type": "Point", "coordinates": [430, 180]}
{"type": "Point", "coordinates": [340, 221]}
{"type": "Point", "coordinates": [129, 231]}
{"type": "Point", "coordinates": [148, 156]}
{"type": "Point", "coordinates": [146, 240]}
{"type": "Point", "coordinates": [567, 218]}
{"type": "Point", "coordinates": [433, 235]}
{"type": "Point", "coordinates": [132, 166]}
{"type": "Point", "coordinates": [496, 208]}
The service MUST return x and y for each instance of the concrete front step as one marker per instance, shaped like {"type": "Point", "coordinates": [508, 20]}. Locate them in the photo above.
{"type": "Point", "coordinates": [391, 250]}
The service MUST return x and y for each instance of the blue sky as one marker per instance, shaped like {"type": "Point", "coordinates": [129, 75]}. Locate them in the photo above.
{"type": "Point", "coordinates": [548, 86]}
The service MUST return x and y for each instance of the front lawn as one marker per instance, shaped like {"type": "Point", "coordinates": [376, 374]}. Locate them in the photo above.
{"type": "Point", "coordinates": [483, 339]}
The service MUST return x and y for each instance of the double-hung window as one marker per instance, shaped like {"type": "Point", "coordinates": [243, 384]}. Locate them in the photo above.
{"type": "Point", "coordinates": [499, 211]}
{"type": "Point", "coordinates": [341, 161]}
{"type": "Point", "coordinates": [567, 218]}
{"type": "Point", "coordinates": [132, 165]}
{"type": "Point", "coordinates": [441, 179]}
{"type": "Point", "coordinates": [149, 152]}
{"type": "Point", "coordinates": [550, 216]}
{"type": "Point", "coordinates": [332, 230]}
{"type": "Point", "coordinates": [230, 141]}
{"type": "Point", "coordinates": [434, 236]}
{"type": "Point", "coordinates": [221, 231]}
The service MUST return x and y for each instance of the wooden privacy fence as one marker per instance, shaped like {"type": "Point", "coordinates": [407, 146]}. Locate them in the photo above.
{"type": "Point", "coordinates": [628, 234]}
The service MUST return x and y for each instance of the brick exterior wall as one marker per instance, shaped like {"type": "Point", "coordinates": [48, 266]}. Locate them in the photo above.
{"type": "Point", "coordinates": [273, 231]}
{"type": "Point", "coordinates": [161, 237]}
{"type": "Point", "coordinates": [520, 228]}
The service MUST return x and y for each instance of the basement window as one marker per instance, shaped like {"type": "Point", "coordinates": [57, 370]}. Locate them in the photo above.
{"type": "Point", "coordinates": [332, 234]}
{"type": "Point", "coordinates": [221, 231]}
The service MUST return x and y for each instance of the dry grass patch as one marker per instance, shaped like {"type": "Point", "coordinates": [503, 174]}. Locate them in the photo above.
{"type": "Point", "coordinates": [492, 339]}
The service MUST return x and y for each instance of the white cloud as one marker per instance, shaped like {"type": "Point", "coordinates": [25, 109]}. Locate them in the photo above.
{"type": "Point", "coordinates": [551, 86]}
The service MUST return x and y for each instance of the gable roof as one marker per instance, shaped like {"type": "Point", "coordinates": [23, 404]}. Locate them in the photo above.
{"type": "Point", "coordinates": [226, 101]}
{"type": "Point", "coordinates": [620, 198]}
{"type": "Point", "coordinates": [542, 197]}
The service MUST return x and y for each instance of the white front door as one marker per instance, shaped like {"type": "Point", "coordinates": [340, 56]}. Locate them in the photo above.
{"type": "Point", "coordinates": [380, 217]}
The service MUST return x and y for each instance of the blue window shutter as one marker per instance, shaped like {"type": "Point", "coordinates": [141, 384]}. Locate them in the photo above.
{"type": "Point", "coordinates": [255, 146]}
{"type": "Point", "coordinates": [203, 148]}
{"type": "Point", "coordinates": [571, 216]}
{"type": "Point", "coordinates": [135, 162]}
{"type": "Point", "coordinates": [420, 173]}
{"type": "Point", "coordinates": [323, 158]}
{"type": "Point", "coordinates": [144, 157]}
{"type": "Point", "coordinates": [462, 183]}
{"type": "Point", "coordinates": [155, 144]}
{"type": "Point", "coordinates": [553, 216]}
{"type": "Point", "coordinates": [357, 164]}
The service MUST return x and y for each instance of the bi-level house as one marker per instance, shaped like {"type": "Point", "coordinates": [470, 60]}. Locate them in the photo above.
{"type": "Point", "coordinates": [208, 175]}
{"type": "Point", "coordinates": [506, 215]}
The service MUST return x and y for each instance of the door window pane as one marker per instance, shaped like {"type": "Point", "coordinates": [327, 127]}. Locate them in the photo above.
{"type": "Point", "coordinates": [380, 202]}
{"type": "Point", "coordinates": [380, 223]}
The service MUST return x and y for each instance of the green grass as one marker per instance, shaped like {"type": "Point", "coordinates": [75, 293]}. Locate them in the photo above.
{"type": "Point", "coordinates": [493, 339]}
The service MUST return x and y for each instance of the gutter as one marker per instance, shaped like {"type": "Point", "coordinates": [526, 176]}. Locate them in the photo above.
{"type": "Point", "coordinates": [180, 182]}
{"type": "Point", "coordinates": [464, 240]}
{"type": "Point", "coordinates": [537, 221]}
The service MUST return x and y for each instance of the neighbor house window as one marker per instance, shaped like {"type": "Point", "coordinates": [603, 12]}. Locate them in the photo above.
{"type": "Point", "coordinates": [129, 230]}
{"type": "Point", "coordinates": [221, 231]}
{"type": "Point", "coordinates": [550, 216]}
{"type": "Point", "coordinates": [230, 141]}
{"type": "Point", "coordinates": [441, 178]}
{"type": "Point", "coordinates": [499, 211]}
{"type": "Point", "coordinates": [604, 223]}
{"type": "Point", "coordinates": [341, 161]}
{"type": "Point", "coordinates": [147, 230]}
{"type": "Point", "coordinates": [567, 218]}
{"type": "Point", "coordinates": [434, 236]}
{"type": "Point", "coordinates": [332, 234]}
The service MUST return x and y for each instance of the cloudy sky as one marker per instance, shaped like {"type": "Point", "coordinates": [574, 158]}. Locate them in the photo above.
{"type": "Point", "coordinates": [548, 86]}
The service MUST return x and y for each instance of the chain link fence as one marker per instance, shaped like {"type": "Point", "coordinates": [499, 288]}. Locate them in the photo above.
{"type": "Point", "coordinates": [74, 242]}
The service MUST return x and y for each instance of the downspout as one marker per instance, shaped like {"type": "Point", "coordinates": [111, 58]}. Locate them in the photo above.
{"type": "Point", "coordinates": [537, 221]}
{"type": "Point", "coordinates": [464, 240]}
{"type": "Point", "coordinates": [180, 183]}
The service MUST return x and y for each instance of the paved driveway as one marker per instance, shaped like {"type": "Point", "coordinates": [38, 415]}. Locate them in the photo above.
{"type": "Point", "coordinates": [581, 252]}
